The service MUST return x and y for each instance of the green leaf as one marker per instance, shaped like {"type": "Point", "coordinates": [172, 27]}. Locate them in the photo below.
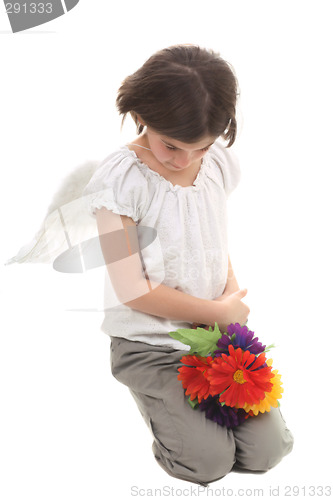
{"type": "Point", "coordinates": [201, 341]}
{"type": "Point", "coordinates": [269, 347]}
{"type": "Point", "coordinates": [222, 403]}
{"type": "Point", "coordinates": [193, 403]}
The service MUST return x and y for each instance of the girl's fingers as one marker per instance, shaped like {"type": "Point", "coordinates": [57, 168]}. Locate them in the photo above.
{"type": "Point", "coordinates": [241, 293]}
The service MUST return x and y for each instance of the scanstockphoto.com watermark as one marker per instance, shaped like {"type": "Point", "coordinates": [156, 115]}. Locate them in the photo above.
{"type": "Point", "coordinates": [25, 14]}
{"type": "Point", "coordinates": [196, 491]}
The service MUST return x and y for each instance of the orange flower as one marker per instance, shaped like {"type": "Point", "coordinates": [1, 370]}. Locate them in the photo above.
{"type": "Point", "coordinates": [193, 377]}
{"type": "Point", "coordinates": [241, 378]}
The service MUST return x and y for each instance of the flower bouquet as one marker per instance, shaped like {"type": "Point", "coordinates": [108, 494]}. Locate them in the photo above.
{"type": "Point", "coordinates": [227, 375]}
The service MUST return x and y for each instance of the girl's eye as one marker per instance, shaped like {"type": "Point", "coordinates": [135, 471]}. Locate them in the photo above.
{"type": "Point", "coordinates": [172, 148]}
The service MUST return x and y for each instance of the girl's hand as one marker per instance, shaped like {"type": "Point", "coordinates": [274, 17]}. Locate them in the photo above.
{"type": "Point", "coordinates": [225, 294]}
{"type": "Point", "coordinates": [233, 310]}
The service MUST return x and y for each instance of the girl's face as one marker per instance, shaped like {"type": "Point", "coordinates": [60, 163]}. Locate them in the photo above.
{"type": "Point", "coordinates": [174, 155]}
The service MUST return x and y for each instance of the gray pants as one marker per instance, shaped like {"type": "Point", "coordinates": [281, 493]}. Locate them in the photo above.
{"type": "Point", "coordinates": [186, 444]}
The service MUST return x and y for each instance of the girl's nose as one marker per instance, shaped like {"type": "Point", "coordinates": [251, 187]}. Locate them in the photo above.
{"type": "Point", "coordinates": [183, 159]}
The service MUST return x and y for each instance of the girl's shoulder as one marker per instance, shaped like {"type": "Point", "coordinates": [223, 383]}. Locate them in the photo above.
{"type": "Point", "coordinates": [121, 163]}
{"type": "Point", "coordinates": [225, 161]}
{"type": "Point", "coordinates": [119, 184]}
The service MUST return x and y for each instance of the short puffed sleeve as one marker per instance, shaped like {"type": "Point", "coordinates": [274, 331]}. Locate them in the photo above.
{"type": "Point", "coordinates": [226, 160]}
{"type": "Point", "coordinates": [118, 185]}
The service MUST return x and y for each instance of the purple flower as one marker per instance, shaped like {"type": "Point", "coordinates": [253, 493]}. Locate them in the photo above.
{"type": "Point", "coordinates": [239, 336]}
{"type": "Point", "coordinates": [222, 415]}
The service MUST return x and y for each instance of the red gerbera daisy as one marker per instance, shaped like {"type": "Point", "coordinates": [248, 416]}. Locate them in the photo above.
{"type": "Point", "coordinates": [193, 377]}
{"type": "Point", "coordinates": [240, 377]}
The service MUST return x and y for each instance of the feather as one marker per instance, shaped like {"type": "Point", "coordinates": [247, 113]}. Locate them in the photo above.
{"type": "Point", "coordinates": [67, 222]}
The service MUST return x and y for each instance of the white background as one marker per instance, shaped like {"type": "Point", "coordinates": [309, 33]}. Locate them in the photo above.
{"type": "Point", "coordinates": [68, 429]}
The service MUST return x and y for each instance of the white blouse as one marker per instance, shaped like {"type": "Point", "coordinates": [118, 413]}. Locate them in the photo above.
{"type": "Point", "coordinates": [190, 252]}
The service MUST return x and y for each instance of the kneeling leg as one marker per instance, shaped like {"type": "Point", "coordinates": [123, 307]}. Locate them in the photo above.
{"type": "Point", "coordinates": [186, 445]}
{"type": "Point", "coordinates": [262, 441]}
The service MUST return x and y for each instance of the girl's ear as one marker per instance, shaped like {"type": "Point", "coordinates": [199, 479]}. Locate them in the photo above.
{"type": "Point", "coordinates": [140, 120]}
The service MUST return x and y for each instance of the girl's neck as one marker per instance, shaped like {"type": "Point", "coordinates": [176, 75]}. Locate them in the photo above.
{"type": "Point", "coordinates": [142, 141]}
{"type": "Point", "coordinates": [144, 154]}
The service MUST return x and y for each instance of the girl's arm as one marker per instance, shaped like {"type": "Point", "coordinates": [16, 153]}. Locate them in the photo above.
{"type": "Point", "coordinates": [232, 285]}
{"type": "Point", "coordinates": [230, 288]}
{"type": "Point", "coordinates": [139, 293]}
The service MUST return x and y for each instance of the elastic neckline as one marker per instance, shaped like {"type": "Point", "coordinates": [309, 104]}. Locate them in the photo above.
{"type": "Point", "coordinates": [173, 187]}
{"type": "Point", "coordinates": [143, 147]}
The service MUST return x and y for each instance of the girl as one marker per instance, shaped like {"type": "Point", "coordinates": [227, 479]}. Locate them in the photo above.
{"type": "Point", "coordinates": [175, 177]}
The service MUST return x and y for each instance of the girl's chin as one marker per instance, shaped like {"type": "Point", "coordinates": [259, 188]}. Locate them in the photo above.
{"type": "Point", "coordinates": [174, 166]}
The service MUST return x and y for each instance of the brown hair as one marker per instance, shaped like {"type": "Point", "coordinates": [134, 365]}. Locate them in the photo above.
{"type": "Point", "coordinates": [184, 92]}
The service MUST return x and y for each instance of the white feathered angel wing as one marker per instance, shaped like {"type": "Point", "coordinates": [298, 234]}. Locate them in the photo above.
{"type": "Point", "coordinates": [67, 222]}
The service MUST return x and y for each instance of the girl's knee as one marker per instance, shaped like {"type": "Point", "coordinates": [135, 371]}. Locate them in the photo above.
{"type": "Point", "coordinates": [265, 458]}
{"type": "Point", "coordinates": [200, 465]}
{"type": "Point", "coordinates": [260, 451]}
{"type": "Point", "coordinates": [215, 463]}
{"type": "Point", "coordinates": [218, 469]}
